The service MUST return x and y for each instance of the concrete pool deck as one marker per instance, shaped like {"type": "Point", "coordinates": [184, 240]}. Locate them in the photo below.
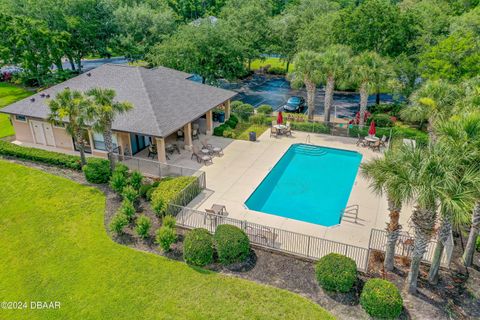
{"type": "Point", "coordinates": [234, 176]}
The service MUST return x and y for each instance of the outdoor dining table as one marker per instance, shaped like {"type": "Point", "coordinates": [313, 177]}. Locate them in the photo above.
{"type": "Point", "coordinates": [280, 127]}
{"type": "Point", "coordinates": [371, 139]}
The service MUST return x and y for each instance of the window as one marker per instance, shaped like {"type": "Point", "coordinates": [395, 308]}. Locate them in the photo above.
{"type": "Point", "coordinates": [21, 118]}
{"type": "Point", "coordinates": [99, 143]}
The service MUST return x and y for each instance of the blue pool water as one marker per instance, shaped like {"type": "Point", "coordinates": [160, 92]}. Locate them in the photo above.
{"type": "Point", "coordinates": [309, 183]}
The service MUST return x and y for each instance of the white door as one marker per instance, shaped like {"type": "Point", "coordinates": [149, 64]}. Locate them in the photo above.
{"type": "Point", "coordinates": [49, 134]}
{"type": "Point", "coordinates": [38, 132]}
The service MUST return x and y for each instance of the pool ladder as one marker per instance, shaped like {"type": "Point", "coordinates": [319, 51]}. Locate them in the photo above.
{"type": "Point", "coordinates": [350, 212]}
{"type": "Point", "coordinates": [307, 139]}
{"type": "Point", "coordinates": [310, 150]}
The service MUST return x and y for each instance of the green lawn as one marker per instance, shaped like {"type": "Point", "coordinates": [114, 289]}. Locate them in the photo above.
{"type": "Point", "coordinates": [275, 63]}
{"type": "Point", "coordinates": [8, 95]}
{"type": "Point", "coordinates": [243, 130]}
{"type": "Point", "coordinates": [54, 248]}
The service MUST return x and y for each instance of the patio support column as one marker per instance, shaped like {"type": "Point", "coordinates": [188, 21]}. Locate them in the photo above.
{"type": "Point", "coordinates": [162, 157]}
{"type": "Point", "coordinates": [227, 110]}
{"type": "Point", "coordinates": [209, 115]}
{"type": "Point", "coordinates": [187, 132]}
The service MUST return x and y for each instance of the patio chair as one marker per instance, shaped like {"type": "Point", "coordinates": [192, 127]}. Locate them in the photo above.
{"type": "Point", "coordinates": [383, 141]}
{"type": "Point", "coordinates": [200, 157]}
{"type": "Point", "coordinates": [213, 150]}
{"type": "Point", "coordinates": [180, 135]}
{"type": "Point", "coordinates": [152, 151]}
{"type": "Point", "coordinates": [288, 129]}
{"type": "Point", "coordinates": [274, 123]}
{"type": "Point", "coordinates": [273, 132]}
{"type": "Point", "coordinates": [376, 146]}
{"type": "Point", "coordinates": [195, 134]}
{"type": "Point", "coordinates": [361, 141]}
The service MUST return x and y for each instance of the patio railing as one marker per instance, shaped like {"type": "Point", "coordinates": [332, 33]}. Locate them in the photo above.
{"type": "Point", "coordinates": [155, 168]}
{"type": "Point", "coordinates": [378, 241]}
{"type": "Point", "coordinates": [285, 241]}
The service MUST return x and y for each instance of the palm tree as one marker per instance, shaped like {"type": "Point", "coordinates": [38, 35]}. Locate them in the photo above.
{"type": "Point", "coordinates": [334, 64]}
{"type": "Point", "coordinates": [307, 72]}
{"type": "Point", "coordinates": [370, 72]}
{"type": "Point", "coordinates": [71, 106]}
{"type": "Point", "coordinates": [103, 113]}
{"type": "Point", "coordinates": [388, 175]}
{"type": "Point", "coordinates": [433, 101]}
{"type": "Point", "coordinates": [462, 134]}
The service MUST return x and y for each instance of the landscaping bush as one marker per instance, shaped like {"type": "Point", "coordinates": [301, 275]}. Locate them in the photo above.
{"type": "Point", "coordinates": [198, 247]}
{"type": "Point", "coordinates": [38, 155]}
{"type": "Point", "coordinates": [244, 111]}
{"type": "Point", "coordinates": [143, 226]}
{"type": "Point", "coordinates": [265, 109]}
{"type": "Point", "coordinates": [127, 209]}
{"type": "Point", "coordinates": [382, 120]}
{"type": "Point", "coordinates": [166, 236]}
{"type": "Point", "coordinates": [310, 127]}
{"type": "Point", "coordinates": [130, 194]}
{"type": "Point", "coordinates": [97, 170]}
{"type": "Point", "coordinates": [336, 272]}
{"type": "Point", "coordinates": [406, 132]}
{"type": "Point", "coordinates": [152, 189]}
{"type": "Point", "coordinates": [135, 180]}
{"type": "Point", "coordinates": [258, 118]}
{"type": "Point", "coordinates": [122, 169]}
{"type": "Point", "coordinates": [230, 124]}
{"type": "Point", "coordinates": [144, 189]}
{"type": "Point", "coordinates": [232, 244]}
{"type": "Point", "coordinates": [229, 133]}
{"type": "Point", "coordinates": [235, 104]}
{"type": "Point", "coordinates": [168, 192]}
{"type": "Point", "coordinates": [477, 244]}
{"type": "Point", "coordinates": [218, 131]}
{"type": "Point", "coordinates": [381, 299]}
{"type": "Point", "coordinates": [118, 223]}
{"type": "Point", "coordinates": [234, 119]}
{"type": "Point", "coordinates": [118, 181]}
{"type": "Point", "coordinates": [169, 221]}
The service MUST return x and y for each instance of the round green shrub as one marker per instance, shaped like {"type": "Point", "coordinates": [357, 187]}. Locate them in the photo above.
{"type": "Point", "coordinates": [336, 272]}
{"type": "Point", "coordinates": [198, 247]}
{"type": "Point", "coordinates": [127, 209]}
{"type": "Point", "coordinates": [130, 194]}
{"type": "Point", "coordinates": [234, 119]}
{"type": "Point", "coordinates": [381, 299]}
{"type": "Point", "coordinates": [118, 223]}
{"type": "Point", "coordinates": [382, 120]}
{"type": "Point", "coordinates": [232, 244]}
{"type": "Point", "coordinates": [244, 111]}
{"type": "Point", "coordinates": [143, 226]}
{"type": "Point", "coordinates": [165, 237]}
{"type": "Point", "coordinates": [169, 221]}
{"type": "Point", "coordinates": [218, 131]}
{"type": "Point", "coordinates": [229, 133]}
{"type": "Point", "coordinates": [265, 109]}
{"type": "Point", "coordinates": [235, 104]}
{"type": "Point", "coordinates": [122, 169]}
{"type": "Point", "coordinates": [144, 189]}
{"type": "Point", "coordinates": [118, 182]}
{"type": "Point", "coordinates": [135, 180]}
{"type": "Point", "coordinates": [97, 170]}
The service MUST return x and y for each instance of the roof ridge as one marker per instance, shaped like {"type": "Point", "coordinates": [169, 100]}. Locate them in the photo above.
{"type": "Point", "coordinates": [139, 70]}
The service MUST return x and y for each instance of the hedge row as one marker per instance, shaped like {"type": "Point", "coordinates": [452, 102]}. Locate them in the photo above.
{"type": "Point", "coordinates": [169, 190]}
{"type": "Point", "coordinates": [230, 124]}
{"type": "Point", "coordinates": [39, 155]}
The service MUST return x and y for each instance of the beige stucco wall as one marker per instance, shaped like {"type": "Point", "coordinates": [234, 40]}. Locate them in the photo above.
{"type": "Point", "coordinates": [62, 139]}
{"type": "Point", "coordinates": [22, 130]}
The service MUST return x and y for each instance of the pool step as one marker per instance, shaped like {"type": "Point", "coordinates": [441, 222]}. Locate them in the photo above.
{"type": "Point", "coordinates": [310, 150]}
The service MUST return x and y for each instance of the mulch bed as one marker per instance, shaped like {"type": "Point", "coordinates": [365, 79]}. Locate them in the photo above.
{"type": "Point", "coordinates": [450, 299]}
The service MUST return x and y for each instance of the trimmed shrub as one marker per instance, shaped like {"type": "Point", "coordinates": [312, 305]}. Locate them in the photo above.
{"type": "Point", "coordinates": [310, 127]}
{"type": "Point", "coordinates": [230, 124]}
{"type": "Point", "coordinates": [97, 170]}
{"type": "Point", "coordinates": [244, 111]}
{"type": "Point", "coordinates": [198, 247]}
{"type": "Point", "coordinates": [168, 192]}
{"type": "Point", "coordinates": [135, 180]}
{"type": "Point", "coordinates": [235, 104]}
{"type": "Point", "coordinates": [144, 189]}
{"type": "Point", "coordinates": [169, 221]}
{"type": "Point", "coordinates": [233, 118]}
{"type": "Point", "coordinates": [143, 226]}
{"type": "Point", "coordinates": [130, 194]}
{"type": "Point", "coordinates": [165, 237]}
{"type": "Point", "coordinates": [265, 109]}
{"type": "Point", "coordinates": [477, 244]}
{"type": "Point", "coordinates": [218, 131]}
{"type": "Point", "coordinates": [232, 244]}
{"type": "Point", "coordinates": [382, 120]}
{"type": "Point", "coordinates": [118, 223]}
{"type": "Point", "coordinates": [381, 299]}
{"type": "Point", "coordinates": [336, 272]}
{"type": "Point", "coordinates": [229, 133]}
{"type": "Point", "coordinates": [39, 155]}
{"type": "Point", "coordinates": [122, 169]}
{"type": "Point", "coordinates": [127, 209]}
{"type": "Point", "coordinates": [118, 182]}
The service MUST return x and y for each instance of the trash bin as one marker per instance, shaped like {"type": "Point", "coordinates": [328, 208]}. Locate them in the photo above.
{"type": "Point", "coordinates": [215, 116]}
{"type": "Point", "coordinates": [221, 117]}
{"type": "Point", "coordinates": [253, 136]}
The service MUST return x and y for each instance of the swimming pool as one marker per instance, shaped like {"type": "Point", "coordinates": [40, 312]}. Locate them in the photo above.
{"type": "Point", "coordinates": [309, 183]}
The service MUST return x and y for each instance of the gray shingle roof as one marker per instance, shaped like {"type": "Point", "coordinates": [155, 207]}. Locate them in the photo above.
{"type": "Point", "coordinates": [163, 99]}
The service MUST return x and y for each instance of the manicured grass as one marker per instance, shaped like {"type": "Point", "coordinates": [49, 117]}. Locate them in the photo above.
{"type": "Point", "coordinates": [275, 63]}
{"type": "Point", "coordinates": [8, 95]}
{"type": "Point", "coordinates": [54, 248]}
{"type": "Point", "coordinates": [243, 129]}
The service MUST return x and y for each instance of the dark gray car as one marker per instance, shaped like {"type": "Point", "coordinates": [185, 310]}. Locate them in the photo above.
{"type": "Point", "coordinates": [295, 104]}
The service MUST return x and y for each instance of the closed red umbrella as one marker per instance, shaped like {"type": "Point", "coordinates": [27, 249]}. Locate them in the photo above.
{"type": "Point", "coordinates": [372, 129]}
{"type": "Point", "coordinates": [280, 118]}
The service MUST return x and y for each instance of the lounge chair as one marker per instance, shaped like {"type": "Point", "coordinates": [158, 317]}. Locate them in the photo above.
{"type": "Point", "coordinates": [273, 132]}
{"type": "Point", "coordinates": [200, 157]}
{"type": "Point", "coordinates": [261, 235]}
